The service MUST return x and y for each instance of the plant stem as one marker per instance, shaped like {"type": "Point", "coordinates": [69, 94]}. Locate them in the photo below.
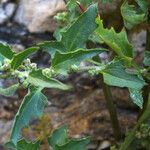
{"type": "Point", "coordinates": [145, 113]}
{"type": "Point", "coordinates": [147, 48]}
{"type": "Point", "coordinates": [112, 111]}
{"type": "Point", "coordinates": [110, 106]}
{"type": "Point", "coordinates": [129, 139]}
{"type": "Point", "coordinates": [148, 32]}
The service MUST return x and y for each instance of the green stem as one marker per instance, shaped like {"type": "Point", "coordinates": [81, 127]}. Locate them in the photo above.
{"type": "Point", "coordinates": [145, 113]}
{"type": "Point", "coordinates": [148, 33]}
{"type": "Point", "coordinates": [112, 112]}
{"type": "Point", "coordinates": [147, 48]}
{"type": "Point", "coordinates": [111, 108]}
{"type": "Point", "coordinates": [129, 139]}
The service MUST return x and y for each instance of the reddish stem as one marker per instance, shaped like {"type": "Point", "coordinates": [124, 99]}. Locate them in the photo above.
{"type": "Point", "coordinates": [82, 8]}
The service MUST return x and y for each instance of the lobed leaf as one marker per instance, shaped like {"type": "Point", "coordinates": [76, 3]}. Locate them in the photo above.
{"type": "Point", "coordinates": [76, 36]}
{"type": "Point", "coordinates": [31, 107]}
{"type": "Point", "coordinates": [114, 74]}
{"type": "Point", "coordinates": [147, 58]}
{"type": "Point", "coordinates": [24, 145]}
{"type": "Point", "coordinates": [9, 91]}
{"type": "Point", "coordinates": [62, 62]}
{"type": "Point", "coordinates": [58, 137]}
{"type": "Point", "coordinates": [59, 31]}
{"type": "Point", "coordinates": [51, 47]}
{"type": "Point", "coordinates": [144, 4]}
{"type": "Point", "coordinates": [37, 79]}
{"type": "Point", "coordinates": [5, 52]}
{"type": "Point", "coordinates": [131, 16]}
{"type": "Point", "coordinates": [136, 96]}
{"type": "Point", "coordinates": [19, 58]}
{"type": "Point", "coordinates": [74, 145]}
{"type": "Point", "coordinates": [118, 42]}
{"type": "Point", "coordinates": [59, 140]}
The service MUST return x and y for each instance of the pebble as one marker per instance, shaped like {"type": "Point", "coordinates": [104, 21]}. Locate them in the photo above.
{"type": "Point", "coordinates": [104, 145]}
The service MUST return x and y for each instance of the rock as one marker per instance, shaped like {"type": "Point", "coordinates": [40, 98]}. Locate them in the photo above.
{"type": "Point", "coordinates": [104, 145]}
{"type": "Point", "coordinates": [138, 40]}
{"type": "Point", "coordinates": [6, 11]}
{"type": "Point", "coordinates": [17, 47]}
{"type": "Point", "coordinates": [108, 7]}
{"type": "Point", "coordinates": [37, 15]}
{"type": "Point", "coordinates": [3, 1]}
{"type": "Point", "coordinates": [5, 132]}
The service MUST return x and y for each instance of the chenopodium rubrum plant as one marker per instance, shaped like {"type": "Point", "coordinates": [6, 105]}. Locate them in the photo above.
{"type": "Point", "coordinates": [67, 53]}
{"type": "Point", "coordinates": [122, 71]}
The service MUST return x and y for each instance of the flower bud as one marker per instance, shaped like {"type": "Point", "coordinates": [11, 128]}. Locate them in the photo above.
{"type": "Point", "coordinates": [74, 68]}
{"type": "Point", "coordinates": [15, 73]}
{"type": "Point", "coordinates": [27, 62]}
{"type": "Point", "coordinates": [6, 67]}
{"type": "Point", "coordinates": [92, 72]}
{"type": "Point", "coordinates": [46, 71]}
{"type": "Point", "coordinates": [25, 84]}
{"type": "Point", "coordinates": [7, 61]}
{"type": "Point", "coordinates": [33, 66]}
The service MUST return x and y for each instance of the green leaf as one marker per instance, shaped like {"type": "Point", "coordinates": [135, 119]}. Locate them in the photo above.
{"type": "Point", "coordinates": [74, 145]}
{"type": "Point", "coordinates": [118, 42]}
{"type": "Point", "coordinates": [31, 107]}
{"type": "Point", "coordinates": [5, 52]}
{"type": "Point", "coordinates": [147, 58]}
{"type": "Point", "coordinates": [9, 91]}
{"type": "Point", "coordinates": [19, 58]}
{"type": "Point", "coordinates": [114, 74]}
{"type": "Point", "coordinates": [76, 36]}
{"type": "Point", "coordinates": [144, 4]}
{"type": "Point", "coordinates": [72, 4]}
{"type": "Point", "coordinates": [59, 137]}
{"type": "Point", "coordinates": [59, 31]}
{"type": "Point", "coordinates": [51, 47]}
{"type": "Point", "coordinates": [95, 38]}
{"type": "Point", "coordinates": [24, 145]}
{"type": "Point", "coordinates": [136, 96]}
{"type": "Point", "coordinates": [36, 78]}
{"type": "Point", "coordinates": [62, 62]}
{"type": "Point", "coordinates": [131, 16]}
{"type": "Point", "coordinates": [59, 140]}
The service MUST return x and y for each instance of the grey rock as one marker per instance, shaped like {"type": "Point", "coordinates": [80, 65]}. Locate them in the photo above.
{"type": "Point", "coordinates": [17, 47]}
{"type": "Point", "coordinates": [6, 12]}
{"type": "Point", "coordinates": [138, 40]}
{"type": "Point", "coordinates": [6, 128]}
{"type": "Point", "coordinates": [37, 15]}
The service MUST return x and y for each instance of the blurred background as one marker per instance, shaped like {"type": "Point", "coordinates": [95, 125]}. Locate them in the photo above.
{"type": "Point", "coordinates": [24, 23]}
